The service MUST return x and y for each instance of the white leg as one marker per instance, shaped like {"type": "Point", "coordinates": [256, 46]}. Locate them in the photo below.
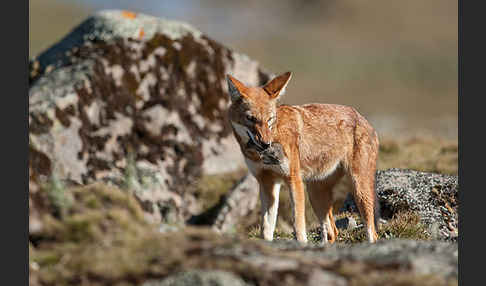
{"type": "Point", "coordinates": [269, 204]}
{"type": "Point", "coordinates": [370, 236]}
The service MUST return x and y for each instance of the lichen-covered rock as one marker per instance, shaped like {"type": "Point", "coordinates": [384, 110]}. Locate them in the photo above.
{"type": "Point", "coordinates": [433, 196]}
{"type": "Point", "coordinates": [125, 85]}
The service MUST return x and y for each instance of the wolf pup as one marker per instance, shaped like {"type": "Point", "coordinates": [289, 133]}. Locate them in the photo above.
{"type": "Point", "coordinates": [312, 144]}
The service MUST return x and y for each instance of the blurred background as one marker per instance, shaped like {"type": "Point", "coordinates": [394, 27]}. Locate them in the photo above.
{"type": "Point", "coordinates": [394, 61]}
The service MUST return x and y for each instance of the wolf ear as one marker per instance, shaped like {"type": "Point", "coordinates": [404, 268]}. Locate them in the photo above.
{"type": "Point", "coordinates": [276, 87]}
{"type": "Point", "coordinates": [234, 88]}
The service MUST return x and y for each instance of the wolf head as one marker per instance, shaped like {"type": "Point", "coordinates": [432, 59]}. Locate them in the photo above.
{"type": "Point", "coordinates": [253, 111]}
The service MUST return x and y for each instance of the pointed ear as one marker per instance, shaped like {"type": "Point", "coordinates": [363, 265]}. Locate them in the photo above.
{"type": "Point", "coordinates": [235, 88]}
{"type": "Point", "coordinates": [276, 87]}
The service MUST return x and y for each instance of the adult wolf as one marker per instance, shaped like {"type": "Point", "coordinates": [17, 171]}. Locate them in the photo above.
{"type": "Point", "coordinates": [311, 144]}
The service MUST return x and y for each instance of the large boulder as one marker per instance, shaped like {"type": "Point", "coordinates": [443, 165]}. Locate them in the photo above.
{"type": "Point", "coordinates": [133, 99]}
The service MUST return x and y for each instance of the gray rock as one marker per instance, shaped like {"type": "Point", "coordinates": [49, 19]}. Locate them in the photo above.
{"type": "Point", "coordinates": [433, 196]}
{"type": "Point", "coordinates": [136, 101]}
{"type": "Point", "coordinates": [200, 278]}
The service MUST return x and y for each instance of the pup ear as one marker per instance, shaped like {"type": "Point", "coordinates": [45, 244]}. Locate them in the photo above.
{"type": "Point", "coordinates": [235, 88]}
{"type": "Point", "coordinates": [276, 87]}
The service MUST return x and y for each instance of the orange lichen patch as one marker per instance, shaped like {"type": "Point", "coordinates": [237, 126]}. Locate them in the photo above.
{"type": "Point", "coordinates": [141, 33]}
{"type": "Point", "coordinates": [129, 14]}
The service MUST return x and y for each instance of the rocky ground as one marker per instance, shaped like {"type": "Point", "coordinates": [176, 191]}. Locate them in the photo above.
{"type": "Point", "coordinates": [102, 238]}
{"type": "Point", "coordinates": [135, 178]}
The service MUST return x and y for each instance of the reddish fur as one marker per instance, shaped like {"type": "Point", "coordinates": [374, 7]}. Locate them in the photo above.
{"type": "Point", "coordinates": [315, 138]}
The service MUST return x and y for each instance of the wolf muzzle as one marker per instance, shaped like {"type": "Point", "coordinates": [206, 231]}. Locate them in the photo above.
{"type": "Point", "coordinates": [259, 145]}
